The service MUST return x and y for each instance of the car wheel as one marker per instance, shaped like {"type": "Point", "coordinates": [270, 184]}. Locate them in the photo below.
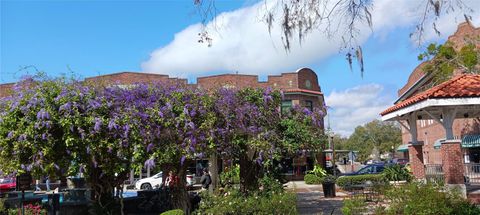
{"type": "Point", "coordinates": [146, 186]}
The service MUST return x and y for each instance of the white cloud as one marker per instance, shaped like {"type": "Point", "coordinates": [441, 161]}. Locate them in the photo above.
{"type": "Point", "coordinates": [356, 106]}
{"type": "Point", "coordinates": [242, 43]}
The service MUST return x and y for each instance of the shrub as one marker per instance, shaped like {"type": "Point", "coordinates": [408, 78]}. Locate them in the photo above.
{"type": "Point", "coordinates": [397, 173]}
{"type": "Point", "coordinates": [354, 206]}
{"type": "Point", "coordinates": [346, 181]}
{"type": "Point", "coordinates": [420, 198]}
{"type": "Point", "coordinates": [231, 176]}
{"type": "Point", "coordinates": [173, 212]}
{"type": "Point", "coordinates": [312, 179]}
{"type": "Point", "coordinates": [270, 185]}
{"type": "Point", "coordinates": [233, 202]}
{"type": "Point", "coordinates": [28, 210]}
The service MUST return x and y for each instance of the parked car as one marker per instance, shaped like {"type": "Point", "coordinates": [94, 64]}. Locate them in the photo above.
{"type": "Point", "coordinates": [373, 162]}
{"type": "Point", "coordinates": [7, 184]}
{"type": "Point", "coordinates": [156, 181]}
{"type": "Point", "coordinates": [401, 161]}
{"type": "Point", "coordinates": [369, 169]}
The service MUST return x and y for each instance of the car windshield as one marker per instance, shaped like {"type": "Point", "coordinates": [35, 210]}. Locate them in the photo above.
{"type": "Point", "coordinates": [6, 180]}
{"type": "Point", "coordinates": [368, 169]}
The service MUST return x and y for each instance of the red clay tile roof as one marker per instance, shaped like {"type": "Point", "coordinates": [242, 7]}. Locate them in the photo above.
{"type": "Point", "coordinates": [298, 90]}
{"type": "Point", "coordinates": [462, 86]}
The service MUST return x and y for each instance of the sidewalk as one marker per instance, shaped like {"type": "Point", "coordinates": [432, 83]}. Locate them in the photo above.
{"type": "Point", "coordinates": [310, 199]}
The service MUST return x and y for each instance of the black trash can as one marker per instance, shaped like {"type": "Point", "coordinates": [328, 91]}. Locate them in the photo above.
{"type": "Point", "coordinates": [328, 190]}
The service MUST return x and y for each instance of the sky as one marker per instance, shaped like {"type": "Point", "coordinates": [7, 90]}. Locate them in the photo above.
{"type": "Point", "coordinates": [89, 38]}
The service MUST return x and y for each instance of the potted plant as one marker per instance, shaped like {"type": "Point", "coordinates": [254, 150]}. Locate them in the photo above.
{"type": "Point", "coordinates": [328, 184]}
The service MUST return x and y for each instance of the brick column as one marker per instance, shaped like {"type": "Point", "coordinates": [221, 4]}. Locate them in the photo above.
{"type": "Point", "coordinates": [415, 152]}
{"type": "Point", "coordinates": [452, 159]}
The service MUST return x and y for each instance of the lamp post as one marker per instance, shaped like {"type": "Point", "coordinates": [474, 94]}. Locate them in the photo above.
{"type": "Point", "coordinates": [333, 156]}
{"type": "Point", "coordinates": [393, 151]}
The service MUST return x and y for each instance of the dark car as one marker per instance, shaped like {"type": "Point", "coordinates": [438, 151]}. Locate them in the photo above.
{"type": "Point", "coordinates": [369, 169]}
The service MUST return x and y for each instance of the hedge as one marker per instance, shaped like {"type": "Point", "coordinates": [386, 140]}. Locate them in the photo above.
{"type": "Point", "coordinates": [173, 212]}
{"type": "Point", "coordinates": [312, 179]}
{"type": "Point", "coordinates": [347, 181]}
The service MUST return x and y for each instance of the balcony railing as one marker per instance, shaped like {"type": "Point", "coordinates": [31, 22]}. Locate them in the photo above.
{"type": "Point", "coordinates": [472, 173]}
{"type": "Point", "coordinates": [434, 173]}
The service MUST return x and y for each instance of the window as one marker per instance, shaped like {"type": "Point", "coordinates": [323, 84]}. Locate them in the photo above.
{"type": "Point", "coordinates": [286, 106]}
{"type": "Point", "coordinates": [379, 169]}
{"type": "Point", "coordinates": [309, 105]}
{"type": "Point", "coordinates": [366, 170]}
{"type": "Point", "coordinates": [308, 84]}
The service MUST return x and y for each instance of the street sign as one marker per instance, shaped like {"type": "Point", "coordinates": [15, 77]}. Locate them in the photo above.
{"type": "Point", "coordinates": [352, 156]}
{"type": "Point", "coordinates": [24, 182]}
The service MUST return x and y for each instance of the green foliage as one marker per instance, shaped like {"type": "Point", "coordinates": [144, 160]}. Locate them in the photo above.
{"type": "Point", "coordinates": [312, 179]}
{"type": "Point", "coordinates": [397, 173]}
{"type": "Point", "coordinates": [2, 206]}
{"type": "Point", "coordinates": [375, 134]}
{"type": "Point", "coordinates": [421, 198]}
{"type": "Point", "coordinates": [444, 59]}
{"type": "Point", "coordinates": [329, 179]}
{"type": "Point", "coordinates": [173, 212]}
{"type": "Point", "coordinates": [346, 181]}
{"type": "Point", "coordinates": [318, 171]}
{"type": "Point", "coordinates": [315, 176]}
{"type": "Point", "coordinates": [354, 206]}
{"type": "Point", "coordinates": [230, 176]}
{"type": "Point", "coordinates": [298, 134]}
{"type": "Point", "coordinates": [270, 185]}
{"type": "Point", "coordinates": [469, 56]}
{"type": "Point", "coordinates": [233, 202]}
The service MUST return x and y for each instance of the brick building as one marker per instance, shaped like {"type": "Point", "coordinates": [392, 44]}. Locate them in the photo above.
{"type": "Point", "coordinates": [431, 132]}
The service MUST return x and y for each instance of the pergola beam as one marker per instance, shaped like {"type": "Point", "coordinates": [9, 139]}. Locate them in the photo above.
{"type": "Point", "coordinates": [433, 117]}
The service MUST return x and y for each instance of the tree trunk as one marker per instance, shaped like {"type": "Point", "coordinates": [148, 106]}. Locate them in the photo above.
{"type": "Point", "coordinates": [213, 168]}
{"type": "Point", "coordinates": [102, 193]}
{"type": "Point", "coordinates": [180, 199]}
{"type": "Point", "coordinates": [248, 174]}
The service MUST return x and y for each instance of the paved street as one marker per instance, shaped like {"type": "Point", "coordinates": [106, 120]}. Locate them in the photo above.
{"type": "Point", "coordinates": [310, 199]}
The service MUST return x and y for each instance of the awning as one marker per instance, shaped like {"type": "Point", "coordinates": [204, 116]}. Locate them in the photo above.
{"type": "Point", "coordinates": [402, 148]}
{"type": "Point", "coordinates": [470, 141]}
{"type": "Point", "coordinates": [438, 143]}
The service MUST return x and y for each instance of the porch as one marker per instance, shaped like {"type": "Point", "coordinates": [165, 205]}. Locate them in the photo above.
{"type": "Point", "coordinates": [458, 98]}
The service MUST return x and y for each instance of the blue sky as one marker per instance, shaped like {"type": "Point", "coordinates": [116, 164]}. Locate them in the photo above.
{"type": "Point", "coordinates": [101, 37]}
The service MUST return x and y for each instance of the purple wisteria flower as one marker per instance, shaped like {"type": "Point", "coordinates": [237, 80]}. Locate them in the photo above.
{"type": "Point", "coordinates": [10, 134]}
{"type": "Point", "coordinates": [98, 124]}
{"type": "Point", "coordinates": [22, 137]}
{"type": "Point", "coordinates": [182, 160]}
{"type": "Point", "coordinates": [112, 125]}
{"type": "Point", "coordinates": [43, 115]}
{"type": "Point", "coordinates": [150, 163]}
{"type": "Point", "coordinates": [65, 107]}
{"type": "Point", "coordinates": [149, 147]}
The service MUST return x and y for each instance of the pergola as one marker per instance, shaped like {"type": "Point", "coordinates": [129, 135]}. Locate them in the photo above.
{"type": "Point", "coordinates": [456, 98]}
